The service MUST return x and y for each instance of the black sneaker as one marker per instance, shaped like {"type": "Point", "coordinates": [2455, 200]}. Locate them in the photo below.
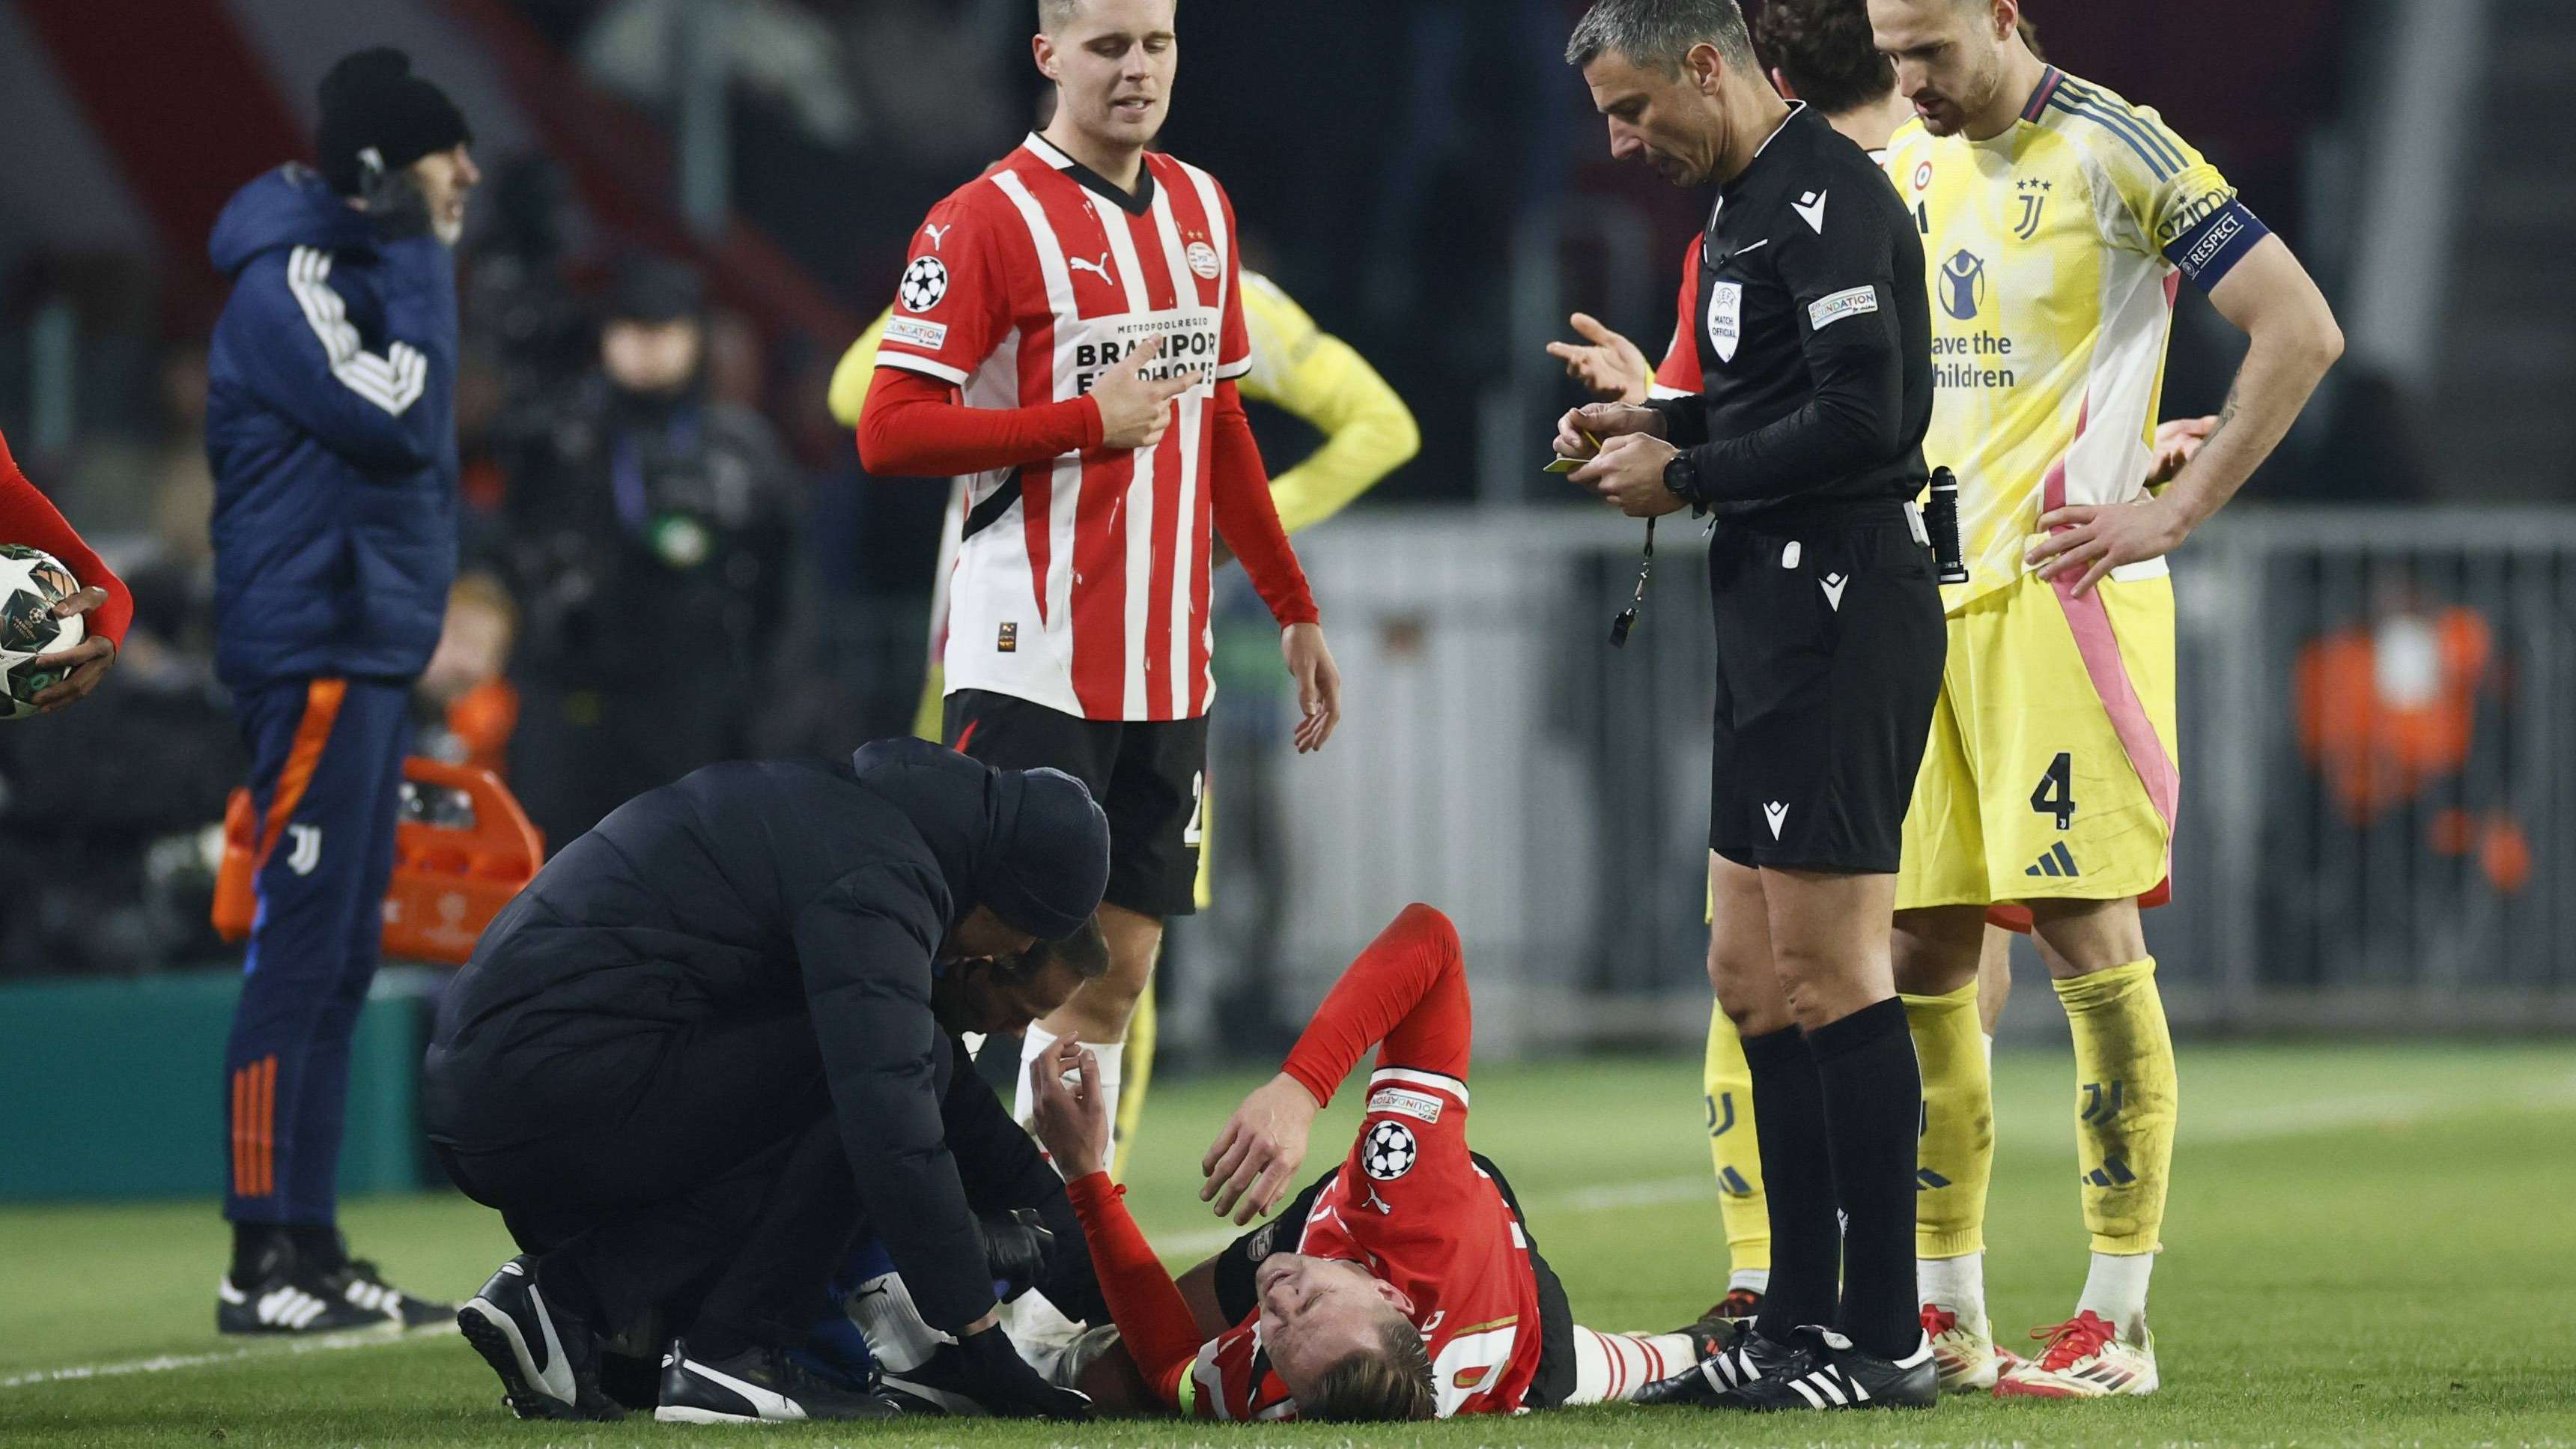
{"type": "Point", "coordinates": [1718, 1327]}
{"type": "Point", "coordinates": [1832, 1374]}
{"type": "Point", "coordinates": [1732, 1355]}
{"type": "Point", "coordinates": [547, 1357]}
{"type": "Point", "coordinates": [361, 1282]}
{"type": "Point", "coordinates": [757, 1386]}
{"type": "Point", "coordinates": [937, 1385]}
{"type": "Point", "coordinates": [283, 1295]}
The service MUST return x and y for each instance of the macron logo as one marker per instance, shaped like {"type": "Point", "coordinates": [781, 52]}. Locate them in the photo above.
{"type": "Point", "coordinates": [1778, 815]}
{"type": "Point", "coordinates": [1834, 584]}
{"type": "Point", "coordinates": [1811, 209]}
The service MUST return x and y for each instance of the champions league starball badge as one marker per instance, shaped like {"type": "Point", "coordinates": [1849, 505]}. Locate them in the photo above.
{"type": "Point", "coordinates": [1389, 1151]}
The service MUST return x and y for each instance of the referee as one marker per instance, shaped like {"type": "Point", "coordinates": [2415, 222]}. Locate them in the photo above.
{"type": "Point", "coordinates": [1805, 446]}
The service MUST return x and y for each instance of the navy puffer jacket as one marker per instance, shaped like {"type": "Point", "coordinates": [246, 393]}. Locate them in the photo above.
{"type": "Point", "coordinates": [331, 427]}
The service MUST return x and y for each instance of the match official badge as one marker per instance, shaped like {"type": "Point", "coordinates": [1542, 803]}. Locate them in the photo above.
{"type": "Point", "coordinates": [1205, 261]}
{"type": "Point", "coordinates": [1725, 318]}
{"type": "Point", "coordinates": [1009, 642]}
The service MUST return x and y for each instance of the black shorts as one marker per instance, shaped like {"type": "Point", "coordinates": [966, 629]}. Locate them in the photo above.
{"type": "Point", "coordinates": [1236, 1297]}
{"type": "Point", "coordinates": [1148, 775]}
{"type": "Point", "coordinates": [1829, 653]}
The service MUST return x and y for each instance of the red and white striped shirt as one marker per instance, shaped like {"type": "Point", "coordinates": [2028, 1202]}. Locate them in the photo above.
{"type": "Point", "coordinates": [1081, 582]}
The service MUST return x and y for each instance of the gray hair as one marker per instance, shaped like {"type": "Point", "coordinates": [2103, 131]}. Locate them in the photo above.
{"type": "Point", "coordinates": [1662, 32]}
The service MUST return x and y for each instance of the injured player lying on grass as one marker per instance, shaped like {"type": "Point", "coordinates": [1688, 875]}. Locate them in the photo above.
{"type": "Point", "coordinates": [1403, 1284]}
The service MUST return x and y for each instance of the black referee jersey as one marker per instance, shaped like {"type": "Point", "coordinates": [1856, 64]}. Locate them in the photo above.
{"type": "Point", "coordinates": [1815, 336]}
{"type": "Point", "coordinates": [1815, 346]}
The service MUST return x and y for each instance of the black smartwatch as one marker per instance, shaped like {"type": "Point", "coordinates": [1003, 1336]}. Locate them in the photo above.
{"type": "Point", "coordinates": [1681, 478]}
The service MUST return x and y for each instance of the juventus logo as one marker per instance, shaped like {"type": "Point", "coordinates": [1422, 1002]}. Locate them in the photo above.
{"type": "Point", "coordinates": [2034, 202]}
{"type": "Point", "coordinates": [304, 848]}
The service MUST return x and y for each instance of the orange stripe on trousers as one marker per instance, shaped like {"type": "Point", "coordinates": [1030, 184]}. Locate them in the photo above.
{"type": "Point", "coordinates": [322, 699]}
{"type": "Point", "coordinates": [241, 1131]}
{"type": "Point", "coordinates": [268, 1126]}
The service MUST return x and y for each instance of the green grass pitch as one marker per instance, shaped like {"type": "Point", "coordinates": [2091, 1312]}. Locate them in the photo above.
{"type": "Point", "coordinates": [2368, 1244]}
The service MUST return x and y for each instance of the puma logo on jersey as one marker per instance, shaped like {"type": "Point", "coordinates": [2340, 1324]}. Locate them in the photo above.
{"type": "Point", "coordinates": [938, 234]}
{"type": "Point", "coordinates": [1811, 210]}
{"type": "Point", "coordinates": [1101, 267]}
{"type": "Point", "coordinates": [1776, 815]}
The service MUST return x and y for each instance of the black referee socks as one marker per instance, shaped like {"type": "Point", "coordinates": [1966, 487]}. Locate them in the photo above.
{"type": "Point", "coordinates": [1873, 1106]}
{"type": "Point", "coordinates": [1798, 1177]}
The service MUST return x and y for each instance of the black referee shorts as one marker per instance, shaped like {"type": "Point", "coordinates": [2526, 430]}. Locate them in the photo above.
{"type": "Point", "coordinates": [1148, 776]}
{"type": "Point", "coordinates": [1830, 646]}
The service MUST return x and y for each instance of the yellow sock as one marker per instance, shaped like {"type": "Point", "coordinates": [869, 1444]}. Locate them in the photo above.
{"type": "Point", "coordinates": [1131, 1089]}
{"type": "Point", "coordinates": [1955, 1159]}
{"type": "Point", "coordinates": [930, 719]}
{"type": "Point", "coordinates": [2125, 1104]}
{"type": "Point", "coordinates": [1737, 1154]}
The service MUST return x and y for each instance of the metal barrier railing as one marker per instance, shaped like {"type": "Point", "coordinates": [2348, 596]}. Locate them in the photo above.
{"type": "Point", "coordinates": [2378, 713]}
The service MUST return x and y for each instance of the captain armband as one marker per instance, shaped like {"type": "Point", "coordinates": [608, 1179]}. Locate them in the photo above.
{"type": "Point", "coordinates": [2213, 247]}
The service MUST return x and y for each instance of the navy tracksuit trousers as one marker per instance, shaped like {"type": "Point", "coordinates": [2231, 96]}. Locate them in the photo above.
{"type": "Point", "coordinates": [326, 780]}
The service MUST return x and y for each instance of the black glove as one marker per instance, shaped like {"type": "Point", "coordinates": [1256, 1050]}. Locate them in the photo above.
{"type": "Point", "coordinates": [997, 1378]}
{"type": "Point", "coordinates": [396, 206]}
{"type": "Point", "coordinates": [1016, 1245]}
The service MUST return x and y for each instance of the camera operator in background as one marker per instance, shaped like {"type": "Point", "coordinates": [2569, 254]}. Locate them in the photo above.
{"type": "Point", "coordinates": [647, 533]}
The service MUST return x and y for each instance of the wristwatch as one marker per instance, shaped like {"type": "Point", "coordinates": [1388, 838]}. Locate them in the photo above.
{"type": "Point", "coordinates": [1681, 478]}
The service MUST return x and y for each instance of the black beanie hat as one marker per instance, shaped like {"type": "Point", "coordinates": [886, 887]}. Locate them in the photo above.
{"type": "Point", "coordinates": [654, 289]}
{"type": "Point", "coordinates": [372, 101]}
{"type": "Point", "coordinates": [1050, 859]}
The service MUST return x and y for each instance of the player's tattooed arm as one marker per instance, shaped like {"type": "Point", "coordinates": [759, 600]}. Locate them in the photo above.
{"type": "Point", "coordinates": [2294, 340]}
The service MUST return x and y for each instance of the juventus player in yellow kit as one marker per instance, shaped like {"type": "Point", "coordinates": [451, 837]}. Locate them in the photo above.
{"type": "Point", "coordinates": [1298, 368]}
{"type": "Point", "coordinates": [2058, 221]}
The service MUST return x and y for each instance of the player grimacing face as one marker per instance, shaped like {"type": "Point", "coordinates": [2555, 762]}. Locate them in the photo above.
{"type": "Point", "coordinates": [1949, 55]}
{"type": "Point", "coordinates": [1112, 65]}
{"type": "Point", "coordinates": [1315, 1312]}
{"type": "Point", "coordinates": [1666, 117]}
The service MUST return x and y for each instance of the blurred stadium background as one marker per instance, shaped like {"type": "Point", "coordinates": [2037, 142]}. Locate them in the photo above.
{"type": "Point", "coordinates": [2378, 646]}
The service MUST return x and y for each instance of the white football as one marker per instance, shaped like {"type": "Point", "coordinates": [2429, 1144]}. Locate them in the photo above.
{"type": "Point", "coordinates": [32, 581]}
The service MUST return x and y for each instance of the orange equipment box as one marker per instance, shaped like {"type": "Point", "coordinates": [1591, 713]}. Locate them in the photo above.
{"type": "Point", "coordinates": [463, 849]}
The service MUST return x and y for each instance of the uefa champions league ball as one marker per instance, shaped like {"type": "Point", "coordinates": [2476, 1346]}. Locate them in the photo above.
{"type": "Point", "coordinates": [32, 581]}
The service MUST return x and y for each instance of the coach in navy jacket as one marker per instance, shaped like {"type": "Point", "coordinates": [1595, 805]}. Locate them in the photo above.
{"type": "Point", "coordinates": [331, 429]}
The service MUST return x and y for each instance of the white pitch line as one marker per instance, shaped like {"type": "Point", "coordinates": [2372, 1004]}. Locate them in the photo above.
{"type": "Point", "coordinates": [168, 1362]}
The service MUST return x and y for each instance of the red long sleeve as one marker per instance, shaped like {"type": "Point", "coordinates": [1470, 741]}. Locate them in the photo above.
{"type": "Point", "coordinates": [914, 427]}
{"type": "Point", "coordinates": [1153, 1319]}
{"type": "Point", "coordinates": [1408, 990]}
{"type": "Point", "coordinates": [27, 516]}
{"type": "Point", "coordinates": [1247, 518]}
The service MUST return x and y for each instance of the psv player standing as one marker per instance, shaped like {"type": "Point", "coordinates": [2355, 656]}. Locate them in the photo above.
{"type": "Point", "coordinates": [1069, 331]}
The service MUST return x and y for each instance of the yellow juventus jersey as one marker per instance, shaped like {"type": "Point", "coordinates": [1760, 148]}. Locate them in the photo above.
{"type": "Point", "coordinates": [1298, 368]}
{"type": "Point", "coordinates": [2053, 252]}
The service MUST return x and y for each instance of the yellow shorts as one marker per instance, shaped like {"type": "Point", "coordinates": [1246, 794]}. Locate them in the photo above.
{"type": "Point", "coordinates": [2051, 770]}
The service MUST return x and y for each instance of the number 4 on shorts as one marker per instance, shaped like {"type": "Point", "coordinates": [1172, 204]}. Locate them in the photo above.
{"type": "Point", "coordinates": [2056, 792]}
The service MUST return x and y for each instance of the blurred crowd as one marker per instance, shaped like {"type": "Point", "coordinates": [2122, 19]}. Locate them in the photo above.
{"type": "Point", "coordinates": [671, 555]}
